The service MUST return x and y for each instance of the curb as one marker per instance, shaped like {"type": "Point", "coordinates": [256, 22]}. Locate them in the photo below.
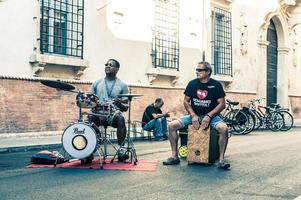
{"type": "Point", "coordinates": [30, 134]}
{"type": "Point", "coordinates": [28, 148]}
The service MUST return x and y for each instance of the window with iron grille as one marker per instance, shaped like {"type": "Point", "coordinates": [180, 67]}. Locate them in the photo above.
{"type": "Point", "coordinates": [62, 27]}
{"type": "Point", "coordinates": [165, 42]}
{"type": "Point", "coordinates": [222, 42]}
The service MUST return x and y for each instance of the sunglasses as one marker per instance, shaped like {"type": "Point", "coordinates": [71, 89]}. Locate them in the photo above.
{"type": "Point", "coordinates": [109, 65]}
{"type": "Point", "coordinates": [200, 70]}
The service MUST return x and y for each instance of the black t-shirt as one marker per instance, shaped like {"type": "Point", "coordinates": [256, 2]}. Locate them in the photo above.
{"type": "Point", "coordinates": [148, 114]}
{"type": "Point", "coordinates": [204, 96]}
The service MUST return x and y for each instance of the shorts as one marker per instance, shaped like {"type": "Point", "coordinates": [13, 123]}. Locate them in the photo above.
{"type": "Point", "coordinates": [187, 120]}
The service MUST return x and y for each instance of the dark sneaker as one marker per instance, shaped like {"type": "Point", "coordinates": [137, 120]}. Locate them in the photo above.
{"type": "Point", "coordinates": [172, 161]}
{"type": "Point", "coordinates": [123, 158]}
{"type": "Point", "coordinates": [223, 165]}
{"type": "Point", "coordinates": [122, 155]}
{"type": "Point", "coordinates": [165, 137]}
{"type": "Point", "coordinates": [159, 139]}
{"type": "Point", "coordinates": [87, 160]}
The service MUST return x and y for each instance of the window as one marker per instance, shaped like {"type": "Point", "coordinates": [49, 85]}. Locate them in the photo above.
{"type": "Point", "coordinates": [222, 42]}
{"type": "Point", "coordinates": [62, 27]}
{"type": "Point", "coordinates": [165, 43]}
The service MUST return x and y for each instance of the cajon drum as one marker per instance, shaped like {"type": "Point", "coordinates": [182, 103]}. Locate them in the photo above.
{"type": "Point", "coordinates": [202, 146]}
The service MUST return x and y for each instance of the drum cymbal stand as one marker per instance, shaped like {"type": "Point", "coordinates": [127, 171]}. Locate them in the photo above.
{"type": "Point", "coordinates": [129, 149]}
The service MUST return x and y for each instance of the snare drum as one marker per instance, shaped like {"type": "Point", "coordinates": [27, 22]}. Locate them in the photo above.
{"type": "Point", "coordinates": [105, 109]}
{"type": "Point", "coordinates": [86, 100]}
{"type": "Point", "coordinates": [80, 140]}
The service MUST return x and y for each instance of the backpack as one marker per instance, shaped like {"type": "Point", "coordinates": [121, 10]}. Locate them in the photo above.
{"type": "Point", "coordinates": [47, 157]}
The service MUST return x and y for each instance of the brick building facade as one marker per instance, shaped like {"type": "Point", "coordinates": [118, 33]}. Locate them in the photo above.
{"type": "Point", "coordinates": [71, 42]}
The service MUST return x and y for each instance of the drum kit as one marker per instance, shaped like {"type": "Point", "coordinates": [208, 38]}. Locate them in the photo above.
{"type": "Point", "coordinates": [83, 138]}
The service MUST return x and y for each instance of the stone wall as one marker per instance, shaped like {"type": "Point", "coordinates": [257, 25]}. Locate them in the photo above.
{"type": "Point", "coordinates": [295, 102]}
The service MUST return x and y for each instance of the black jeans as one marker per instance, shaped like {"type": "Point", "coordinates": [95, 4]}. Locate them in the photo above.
{"type": "Point", "coordinates": [117, 121]}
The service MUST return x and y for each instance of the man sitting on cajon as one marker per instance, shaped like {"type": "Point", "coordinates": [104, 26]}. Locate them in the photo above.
{"type": "Point", "coordinates": [204, 97]}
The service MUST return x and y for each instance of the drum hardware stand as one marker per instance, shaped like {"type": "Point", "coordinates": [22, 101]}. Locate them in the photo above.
{"type": "Point", "coordinates": [130, 149]}
{"type": "Point", "coordinates": [105, 141]}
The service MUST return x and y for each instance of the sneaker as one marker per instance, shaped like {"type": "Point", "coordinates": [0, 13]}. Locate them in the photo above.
{"type": "Point", "coordinates": [85, 161]}
{"type": "Point", "coordinates": [159, 139]}
{"type": "Point", "coordinates": [172, 161]}
{"type": "Point", "coordinates": [122, 156]}
{"type": "Point", "coordinates": [223, 165]}
{"type": "Point", "coordinates": [165, 137]}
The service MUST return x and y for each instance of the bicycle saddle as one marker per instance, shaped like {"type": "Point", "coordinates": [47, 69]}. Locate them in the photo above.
{"type": "Point", "coordinates": [275, 105]}
{"type": "Point", "coordinates": [234, 103]}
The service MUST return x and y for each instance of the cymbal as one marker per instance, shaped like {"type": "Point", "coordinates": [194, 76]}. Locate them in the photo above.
{"type": "Point", "coordinates": [129, 95]}
{"type": "Point", "coordinates": [58, 85]}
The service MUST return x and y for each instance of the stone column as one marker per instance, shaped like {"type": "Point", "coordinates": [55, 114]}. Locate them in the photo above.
{"type": "Point", "coordinates": [295, 28]}
{"type": "Point", "coordinates": [262, 70]}
{"type": "Point", "coordinates": [284, 63]}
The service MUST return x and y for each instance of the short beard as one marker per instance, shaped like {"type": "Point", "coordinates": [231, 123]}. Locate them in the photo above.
{"type": "Point", "coordinates": [111, 75]}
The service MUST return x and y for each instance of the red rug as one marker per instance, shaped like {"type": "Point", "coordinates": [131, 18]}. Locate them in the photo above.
{"type": "Point", "coordinates": [141, 165]}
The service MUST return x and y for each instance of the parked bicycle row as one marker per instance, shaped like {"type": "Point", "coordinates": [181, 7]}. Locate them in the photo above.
{"type": "Point", "coordinates": [254, 116]}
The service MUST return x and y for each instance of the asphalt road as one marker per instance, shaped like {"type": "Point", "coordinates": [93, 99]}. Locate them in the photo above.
{"type": "Point", "coordinates": [263, 166]}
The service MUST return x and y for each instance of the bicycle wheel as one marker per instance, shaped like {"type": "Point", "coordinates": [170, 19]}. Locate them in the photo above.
{"type": "Point", "coordinates": [274, 121]}
{"type": "Point", "coordinates": [258, 120]}
{"type": "Point", "coordinates": [239, 122]}
{"type": "Point", "coordinates": [251, 122]}
{"type": "Point", "coordinates": [288, 120]}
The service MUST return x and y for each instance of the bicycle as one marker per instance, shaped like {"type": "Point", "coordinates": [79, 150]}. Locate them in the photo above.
{"type": "Point", "coordinates": [235, 118]}
{"type": "Point", "coordinates": [288, 120]}
{"type": "Point", "coordinates": [265, 117]}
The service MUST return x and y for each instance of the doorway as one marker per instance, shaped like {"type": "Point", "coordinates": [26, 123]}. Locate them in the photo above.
{"type": "Point", "coordinates": [272, 64]}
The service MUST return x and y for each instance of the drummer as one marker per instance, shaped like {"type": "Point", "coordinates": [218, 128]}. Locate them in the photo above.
{"type": "Point", "coordinates": [107, 89]}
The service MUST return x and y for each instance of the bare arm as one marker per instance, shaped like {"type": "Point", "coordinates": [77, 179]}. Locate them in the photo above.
{"type": "Point", "coordinates": [187, 106]}
{"type": "Point", "coordinates": [195, 118]}
{"type": "Point", "coordinates": [122, 104]}
{"type": "Point", "coordinates": [156, 116]}
{"type": "Point", "coordinates": [220, 106]}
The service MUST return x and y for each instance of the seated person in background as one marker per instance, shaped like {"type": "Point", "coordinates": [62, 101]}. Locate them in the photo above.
{"type": "Point", "coordinates": [153, 119]}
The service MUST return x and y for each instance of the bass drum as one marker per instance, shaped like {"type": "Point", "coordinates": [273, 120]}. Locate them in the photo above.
{"type": "Point", "coordinates": [80, 140]}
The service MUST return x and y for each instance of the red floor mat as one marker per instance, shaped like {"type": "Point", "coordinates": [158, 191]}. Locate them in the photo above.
{"type": "Point", "coordinates": [142, 165]}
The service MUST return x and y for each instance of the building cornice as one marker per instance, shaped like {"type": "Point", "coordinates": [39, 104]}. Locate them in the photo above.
{"type": "Point", "coordinates": [27, 78]}
{"type": "Point", "coordinates": [225, 4]}
{"type": "Point", "coordinates": [287, 2]}
{"type": "Point", "coordinates": [283, 50]}
{"type": "Point", "coordinates": [263, 43]}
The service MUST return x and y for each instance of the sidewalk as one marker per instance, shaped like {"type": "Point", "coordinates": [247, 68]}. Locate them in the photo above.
{"type": "Point", "coordinates": [13, 142]}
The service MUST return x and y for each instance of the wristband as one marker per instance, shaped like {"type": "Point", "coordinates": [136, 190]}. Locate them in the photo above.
{"type": "Point", "coordinates": [208, 116]}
